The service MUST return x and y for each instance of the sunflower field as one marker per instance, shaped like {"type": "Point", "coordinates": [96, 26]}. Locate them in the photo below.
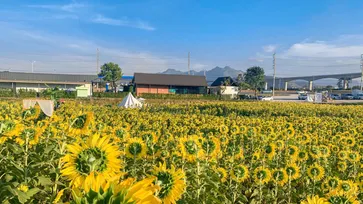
{"type": "Point", "coordinates": [182, 152]}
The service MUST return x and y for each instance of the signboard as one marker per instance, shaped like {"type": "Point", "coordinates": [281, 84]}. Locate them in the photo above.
{"type": "Point", "coordinates": [318, 97]}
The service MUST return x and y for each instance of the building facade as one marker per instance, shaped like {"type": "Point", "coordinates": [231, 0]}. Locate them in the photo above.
{"type": "Point", "coordinates": [225, 86]}
{"type": "Point", "coordinates": [41, 81]}
{"type": "Point", "coordinates": [169, 84]}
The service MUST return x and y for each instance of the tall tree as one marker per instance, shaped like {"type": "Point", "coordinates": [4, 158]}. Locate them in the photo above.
{"type": "Point", "coordinates": [255, 78]}
{"type": "Point", "coordinates": [111, 72]}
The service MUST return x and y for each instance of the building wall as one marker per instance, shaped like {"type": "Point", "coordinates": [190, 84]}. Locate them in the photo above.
{"type": "Point", "coordinates": [6, 85]}
{"type": "Point", "coordinates": [227, 90]}
{"type": "Point", "coordinates": [154, 89]}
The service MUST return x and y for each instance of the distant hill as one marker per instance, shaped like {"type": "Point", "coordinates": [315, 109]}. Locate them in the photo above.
{"type": "Point", "coordinates": [211, 75]}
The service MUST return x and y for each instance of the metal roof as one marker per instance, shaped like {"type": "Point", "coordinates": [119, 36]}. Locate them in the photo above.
{"type": "Point", "coordinates": [43, 77]}
{"type": "Point", "coordinates": [169, 79]}
{"type": "Point", "coordinates": [220, 81]}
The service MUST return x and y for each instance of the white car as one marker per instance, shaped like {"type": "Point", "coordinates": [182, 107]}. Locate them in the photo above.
{"type": "Point", "coordinates": [302, 96]}
{"type": "Point", "coordinates": [267, 99]}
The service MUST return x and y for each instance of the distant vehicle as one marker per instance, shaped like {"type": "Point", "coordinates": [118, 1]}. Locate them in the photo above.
{"type": "Point", "coordinates": [302, 96]}
{"type": "Point", "coordinates": [347, 96]}
{"type": "Point", "coordinates": [335, 96]}
{"type": "Point", "coordinates": [267, 99]}
{"type": "Point", "coordinates": [358, 97]}
{"type": "Point", "coordinates": [259, 98]}
{"type": "Point", "coordinates": [267, 92]}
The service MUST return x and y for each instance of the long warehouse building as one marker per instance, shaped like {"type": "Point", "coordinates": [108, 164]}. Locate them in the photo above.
{"type": "Point", "coordinates": [41, 81]}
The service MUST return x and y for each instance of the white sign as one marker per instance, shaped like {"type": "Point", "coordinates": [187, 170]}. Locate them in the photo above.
{"type": "Point", "coordinates": [318, 97]}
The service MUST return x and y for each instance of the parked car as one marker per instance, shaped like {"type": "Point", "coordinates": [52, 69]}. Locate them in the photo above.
{"type": "Point", "coordinates": [268, 98]}
{"type": "Point", "coordinates": [302, 96]}
{"type": "Point", "coordinates": [335, 96]}
{"type": "Point", "coordinates": [347, 96]}
{"type": "Point", "coordinates": [358, 97]}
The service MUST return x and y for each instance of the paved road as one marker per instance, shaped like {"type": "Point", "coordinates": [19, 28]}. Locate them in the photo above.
{"type": "Point", "coordinates": [294, 98]}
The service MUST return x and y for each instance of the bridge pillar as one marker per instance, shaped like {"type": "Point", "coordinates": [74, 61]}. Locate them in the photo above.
{"type": "Point", "coordinates": [310, 85]}
{"type": "Point", "coordinates": [345, 84]}
{"type": "Point", "coordinates": [266, 86]}
{"type": "Point", "coordinates": [286, 85]}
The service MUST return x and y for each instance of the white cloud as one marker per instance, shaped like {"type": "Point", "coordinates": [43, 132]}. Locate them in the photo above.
{"type": "Point", "coordinates": [320, 49]}
{"type": "Point", "coordinates": [72, 7]}
{"type": "Point", "coordinates": [269, 48]}
{"type": "Point", "coordinates": [124, 22]}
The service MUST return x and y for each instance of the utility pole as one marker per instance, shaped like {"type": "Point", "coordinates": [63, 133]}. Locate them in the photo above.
{"type": "Point", "coordinates": [361, 67]}
{"type": "Point", "coordinates": [33, 66]}
{"type": "Point", "coordinates": [98, 66]}
{"type": "Point", "coordinates": [188, 63]}
{"type": "Point", "coordinates": [273, 83]}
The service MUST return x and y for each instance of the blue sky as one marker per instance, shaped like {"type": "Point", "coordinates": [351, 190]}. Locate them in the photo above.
{"type": "Point", "coordinates": [309, 37]}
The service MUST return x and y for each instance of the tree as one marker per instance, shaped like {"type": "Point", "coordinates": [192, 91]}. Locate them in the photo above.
{"type": "Point", "coordinates": [255, 78]}
{"type": "Point", "coordinates": [111, 72]}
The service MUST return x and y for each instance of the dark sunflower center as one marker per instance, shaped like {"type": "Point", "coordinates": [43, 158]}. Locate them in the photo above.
{"type": "Point", "coordinates": [135, 148]}
{"type": "Point", "coordinates": [339, 200]}
{"type": "Point", "coordinates": [92, 159]}
{"type": "Point", "coordinates": [120, 133]}
{"type": "Point", "coordinates": [166, 181]}
{"type": "Point", "coordinates": [240, 172]}
{"type": "Point", "coordinates": [302, 154]}
{"type": "Point", "coordinates": [278, 175]}
{"type": "Point", "coordinates": [268, 149]}
{"type": "Point", "coordinates": [209, 146]}
{"type": "Point", "coordinates": [352, 156]}
{"type": "Point", "coordinates": [80, 122]}
{"type": "Point", "coordinates": [315, 171]}
{"type": "Point", "coordinates": [346, 187]}
{"type": "Point", "coordinates": [333, 183]}
{"type": "Point", "coordinates": [291, 171]}
{"type": "Point", "coordinates": [292, 151]}
{"type": "Point", "coordinates": [261, 174]}
{"type": "Point", "coordinates": [191, 147]}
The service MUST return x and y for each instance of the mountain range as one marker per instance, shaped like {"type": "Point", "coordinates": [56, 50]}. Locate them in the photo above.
{"type": "Point", "coordinates": [211, 75]}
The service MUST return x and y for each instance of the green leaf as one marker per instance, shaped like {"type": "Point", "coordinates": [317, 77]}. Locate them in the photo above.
{"type": "Point", "coordinates": [44, 181]}
{"type": "Point", "coordinates": [22, 197]}
{"type": "Point", "coordinates": [32, 191]}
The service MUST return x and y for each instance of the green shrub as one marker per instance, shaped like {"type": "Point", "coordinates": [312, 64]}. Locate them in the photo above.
{"type": "Point", "coordinates": [109, 94]}
{"type": "Point", "coordinates": [180, 96]}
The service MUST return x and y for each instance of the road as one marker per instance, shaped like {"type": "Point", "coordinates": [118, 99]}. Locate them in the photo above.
{"type": "Point", "coordinates": [293, 98]}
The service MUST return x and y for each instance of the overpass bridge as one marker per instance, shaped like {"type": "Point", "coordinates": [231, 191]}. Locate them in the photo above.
{"type": "Point", "coordinates": [345, 78]}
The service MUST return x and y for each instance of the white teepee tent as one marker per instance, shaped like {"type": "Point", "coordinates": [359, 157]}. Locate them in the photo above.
{"type": "Point", "coordinates": [130, 102]}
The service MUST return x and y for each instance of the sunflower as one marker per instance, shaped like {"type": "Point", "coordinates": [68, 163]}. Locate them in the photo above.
{"type": "Point", "coordinates": [240, 173]}
{"type": "Point", "coordinates": [302, 156]}
{"type": "Point", "coordinates": [339, 197]}
{"type": "Point", "coordinates": [315, 152]}
{"type": "Point", "coordinates": [256, 155]}
{"type": "Point", "coordinates": [88, 165]}
{"type": "Point", "coordinates": [149, 137]}
{"type": "Point", "coordinates": [293, 171]}
{"type": "Point", "coordinates": [324, 151]}
{"type": "Point", "coordinates": [80, 124]}
{"type": "Point", "coordinates": [223, 129]}
{"type": "Point", "coordinates": [135, 148]}
{"type": "Point", "coordinates": [342, 166]}
{"type": "Point", "coordinates": [349, 188]}
{"type": "Point", "coordinates": [121, 134]}
{"type": "Point", "coordinates": [262, 175]}
{"type": "Point", "coordinates": [353, 156]}
{"type": "Point", "coordinates": [211, 147]}
{"type": "Point", "coordinates": [343, 155]}
{"type": "Point", "coordinates": [29, 135]}
{"type": "Point", "coordinates": [23, 187]}
{"type": "Point", "coordinates": [234, 129]}
{"type": "Point", "coordinates": [32, 113]}
{"type": "Point", "coordinates": [190, 148]}
{"type": "Point", "coordinates": [11, 128]}
{"type": "Point", "coordinates": [316, 172]}
{"type": "Point", "coordinates": [331, 183]}
{"type": "Point", "coordinates": [314, 200]}
{"type": "Point", "coordinates": [290, 132]}
{"type": "Point", "coordinates": [293, 152]}
{"type": "Point", "coordinates": [350, 141]}
{"type": "Point", "coordinates": [126, 191]}
{"type": "Point", "coordinates": [222, 174]}
{"type": "Point", "coordinates": [171, 181]}
{"type": "Point", "coordinates": [234, 150]}
{"type": "Point", "coordinates": [280, 144]}
{"type": "Point", "coordinates": [270, 151]}
{"type": "Point", "coordinates": [279, 176]}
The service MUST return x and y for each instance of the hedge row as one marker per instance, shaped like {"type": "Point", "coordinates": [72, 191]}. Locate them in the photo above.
{"type": "Point", "coordinates": [180, 96]}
